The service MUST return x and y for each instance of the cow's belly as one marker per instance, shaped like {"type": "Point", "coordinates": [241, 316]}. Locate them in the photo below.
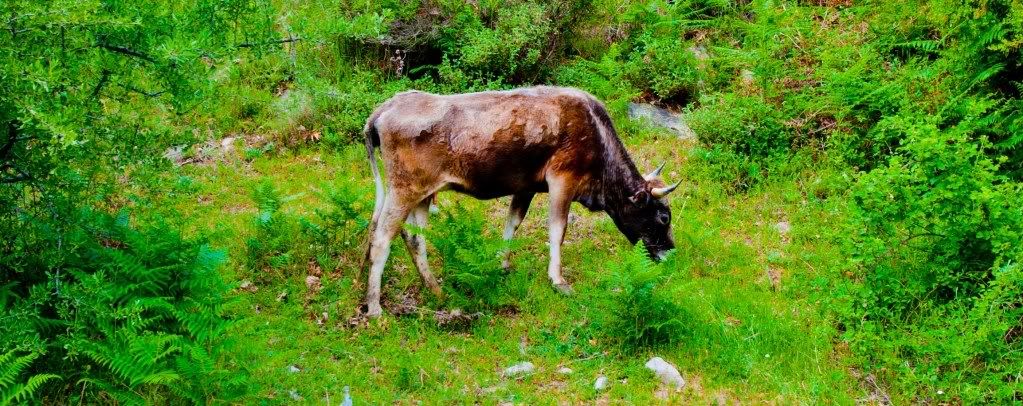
{"type": "Point", "coordinates": [492, 191]}
{"type": "Point", "coordinates": [498, 175]}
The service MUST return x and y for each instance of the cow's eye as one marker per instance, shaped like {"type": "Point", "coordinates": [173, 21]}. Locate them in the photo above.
{"type": "Point", "coordinates": [663, 218]}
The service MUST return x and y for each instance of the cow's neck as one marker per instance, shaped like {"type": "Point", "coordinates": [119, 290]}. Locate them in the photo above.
{"type": "Point", "coordinates": [612, 186]}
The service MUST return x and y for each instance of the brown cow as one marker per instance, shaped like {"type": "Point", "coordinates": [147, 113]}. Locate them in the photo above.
{"type": "Point", "coordinates": [500, 143]}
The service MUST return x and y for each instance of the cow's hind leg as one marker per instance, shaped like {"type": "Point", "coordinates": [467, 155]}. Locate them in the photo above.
{"type": "Point", "coordinates": [416, 245]}
{"type": "Point", "coordinates": [517, 212]}
{"type": "Point", "coordinates": [393, 212]}
{"type": "Point", "coordinates": [560, 200]}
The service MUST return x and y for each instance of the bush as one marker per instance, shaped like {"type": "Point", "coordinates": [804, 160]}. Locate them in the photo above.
{"type": "Point", "coordinates": [665, 66]}
{"type": "Point", "coordinates": [932, 224]}
{"type": "Point", "coordinates": [512, 49]}
{"type": "Point", "coordinates": [934, 242]}
{"type": "Point", "coordinates": [748, 125]}
{"type": "Point", "coordinates": [968, 349]}
{"type": "Point", "coordinates": [638, 311]}
{"type": "Point", "coordinates": [605, 79]}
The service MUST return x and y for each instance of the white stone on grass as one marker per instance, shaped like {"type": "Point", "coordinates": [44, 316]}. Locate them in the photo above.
{"type": "Point", "coordinates": [522, 368]}
{"type": "Point", "coordinates": [666, 372]}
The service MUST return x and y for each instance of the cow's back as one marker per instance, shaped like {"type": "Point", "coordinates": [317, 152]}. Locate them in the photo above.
{"type": "Point", "coordinates": [487, 144]}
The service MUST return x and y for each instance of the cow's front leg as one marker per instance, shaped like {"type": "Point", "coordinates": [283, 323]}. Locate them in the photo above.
{"type": "Point", "coordinates": [393, 213]}
{"type": "Point", "coordinates": [517, 212]}
{"type": "Point", "coordinates": [560, 200]}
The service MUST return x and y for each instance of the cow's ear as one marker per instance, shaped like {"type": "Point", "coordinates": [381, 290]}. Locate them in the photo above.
{"type": "Point", "coordinates": [640, 198]}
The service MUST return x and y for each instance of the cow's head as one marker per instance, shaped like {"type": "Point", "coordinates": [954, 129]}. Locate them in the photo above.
{"type": "Point", "coordinates": [645, 215]}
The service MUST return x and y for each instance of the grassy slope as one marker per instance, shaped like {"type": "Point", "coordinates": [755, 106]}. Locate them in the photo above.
{"type": "Point", "coordinates": [746, 339]}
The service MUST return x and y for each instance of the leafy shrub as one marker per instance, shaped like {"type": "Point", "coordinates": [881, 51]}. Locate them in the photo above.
{"type": "Point", "coordinates": [748, 125]}
{"type": "Point", "coordinates": [512, 48]}
{"type": "Point", "coordinates": [933, 223]}
{"type": "Point", "coordinates": [935, 243]}
{"type": "Point", "coordinates": [666, 66]}
{"type": "Point", "coordinates": [473, 276]}
{"type": "Point", "coordinates": [605, 79]}
{"type": "Point", "coordinates": [345, 106]}
{"type": "Point", "coordinates": [639, 312]}
{"type": "Point", "coordinates": [967, 349]}
{"type": "Point", "coordinates": [271, 245]}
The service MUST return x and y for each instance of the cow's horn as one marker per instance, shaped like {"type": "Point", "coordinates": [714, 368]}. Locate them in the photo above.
{"type": "Point", "coordinates": [652, 175]}
{"type": "Point", "coordinates": [660, 192]}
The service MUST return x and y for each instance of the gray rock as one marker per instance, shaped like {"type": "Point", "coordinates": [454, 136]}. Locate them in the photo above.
{"type": "Point", "coordinates": [293, 369]}
{"type": "Point", "coordinates": [601, 383]}
{"type": "Point", "coordinates": [661, 118]}
{"type": "Point", "coordinates": [666, 372]}
{"type": "Point", "coordinates": [783, 227]}
{"type": "Point", "coordinates": [522, 368]}
{"type": "Point", "coordinates": [565, 370]}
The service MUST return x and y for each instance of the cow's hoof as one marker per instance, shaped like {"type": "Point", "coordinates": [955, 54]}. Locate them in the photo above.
{"type": "Point", "coordinates": [374, 311]}
{"type": "Point", "coordinates": [564, 288]}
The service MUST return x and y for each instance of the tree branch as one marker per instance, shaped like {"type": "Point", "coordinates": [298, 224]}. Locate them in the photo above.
{"type": "Point", "coordinates": [127, 51]}
{"type": "Point", "coordinates": [142, 92]}
{"type": "Point", "coordinates": [259, 44]}
{"type": "Point", "coordinates": [104, 76]}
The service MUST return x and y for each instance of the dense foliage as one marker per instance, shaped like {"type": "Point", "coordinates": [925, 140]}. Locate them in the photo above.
{"type": "Point", "coordinates": [92, 92]}
{"type": "Point", "coordinates": [910, 114]}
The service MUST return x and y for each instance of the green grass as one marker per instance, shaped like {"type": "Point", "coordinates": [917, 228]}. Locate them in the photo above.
{"type": "Point", "coordinates": [744, 338]}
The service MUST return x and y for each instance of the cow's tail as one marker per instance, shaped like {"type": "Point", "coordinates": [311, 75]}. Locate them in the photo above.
{"type": "Point", "coordinates": [372, 142]}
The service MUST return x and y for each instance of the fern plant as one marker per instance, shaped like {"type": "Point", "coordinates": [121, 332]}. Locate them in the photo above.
{"type": "Point", "coordinates": [269, 247]}
{"type": "Point", "coordinates": [472, 268]}
{"type": "Point", "coordinates": [13, 388]}
{"type": "Point", "coordinates": [638, 311]}
{"type": "Point", "coordinates": [337, 229]}
{"type": "Point", "coordinates": [145, 319]}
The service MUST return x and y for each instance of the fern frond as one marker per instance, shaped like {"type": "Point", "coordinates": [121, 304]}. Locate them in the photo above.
{"type": "Point", "coordinates": [22, 392]}
{"type": "Point", "coordinates": [11, 367]}
{"type": "Point", "coordinates": [989, 72]}
{"type": "Point", "coordinates": [923, 45]}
